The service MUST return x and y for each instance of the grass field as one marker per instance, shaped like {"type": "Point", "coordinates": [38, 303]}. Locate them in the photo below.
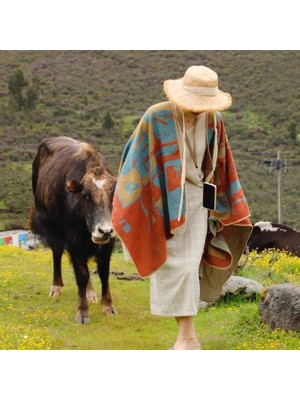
{"type": "Point", "coordinates": [30, 320]}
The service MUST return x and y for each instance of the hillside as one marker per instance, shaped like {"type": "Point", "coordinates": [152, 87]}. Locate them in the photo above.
{"type": "Point", "coordinates": [76, 90]}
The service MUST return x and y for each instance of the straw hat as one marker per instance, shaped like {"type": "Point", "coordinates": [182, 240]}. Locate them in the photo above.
{"type": "Point", "coordinates": [197, 91]}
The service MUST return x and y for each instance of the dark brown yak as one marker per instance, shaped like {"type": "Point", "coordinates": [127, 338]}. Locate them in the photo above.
{"type": "Point", "coordinates": [73, 191]}
{"type": "Point", "coordinates": [270, 235]}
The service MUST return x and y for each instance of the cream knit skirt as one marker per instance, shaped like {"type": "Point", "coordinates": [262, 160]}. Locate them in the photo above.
{"type": "Point", "coordinates": [175, 287]}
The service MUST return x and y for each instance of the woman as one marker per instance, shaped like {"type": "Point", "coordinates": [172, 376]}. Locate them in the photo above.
{"type": "Point", "coordinates": [178, 147]}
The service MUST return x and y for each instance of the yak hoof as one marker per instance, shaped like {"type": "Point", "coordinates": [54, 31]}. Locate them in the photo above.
{"type": "Point", "coordinates": [82, 319]}
{"type": "Point", "coordinates": [91, 296]}
{"type": "Point", "coordinates": [109, 310]}
{"type": "Point", "coordinates": [55, 291]}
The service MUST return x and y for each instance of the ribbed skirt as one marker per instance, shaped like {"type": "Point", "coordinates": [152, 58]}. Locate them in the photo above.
{"type": "Point", "coordinates": [175, 287]}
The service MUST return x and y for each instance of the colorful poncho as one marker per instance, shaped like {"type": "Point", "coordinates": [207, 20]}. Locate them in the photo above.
{"type": "Point", "coordinates": [148, 192]}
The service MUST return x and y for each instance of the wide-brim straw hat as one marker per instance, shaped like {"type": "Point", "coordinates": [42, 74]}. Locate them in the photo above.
{"type": "Point", "coordinates": [197, 91]}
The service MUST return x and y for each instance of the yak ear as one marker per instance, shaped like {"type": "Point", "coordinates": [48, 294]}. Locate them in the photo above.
{"type": "Point", "coordinates": [74, 186]}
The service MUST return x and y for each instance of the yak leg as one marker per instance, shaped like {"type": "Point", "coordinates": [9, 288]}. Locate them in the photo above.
{"type": "Point", "coordinates": [57, 283]}
{"type": "Point", "coordinates": [103, 262]}
{"type": "Point", "coordinates": [82, 278]}
{"type": "Point", "coordinates": [90, 293]}
{"type": "Point", "coordinates": [45, 227]}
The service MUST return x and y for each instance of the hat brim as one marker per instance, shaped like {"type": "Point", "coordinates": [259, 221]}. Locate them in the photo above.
{"type": "Point", "coordinates": [187, 100]}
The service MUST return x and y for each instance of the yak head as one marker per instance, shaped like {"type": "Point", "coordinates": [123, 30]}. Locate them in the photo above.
{"type": "Point", "coordinates": [96, 190]}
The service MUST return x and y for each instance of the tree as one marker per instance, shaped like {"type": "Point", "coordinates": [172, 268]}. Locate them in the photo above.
{"type": "Point", "coordinates": [15, 86]}
{"type": "Point", "coordinates": [108, 122]}
{"type": "Point", "coordinates": [292, 129]}
{"type": "Point", "coordinates": [31, 97]}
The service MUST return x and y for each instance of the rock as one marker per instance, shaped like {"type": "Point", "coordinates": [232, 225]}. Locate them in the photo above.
{"type": "Point", "coordinates": [135, 277]}
{"type": "Point", "coordinates": [117, 273]}
{"type": "Point", "coordinates": [279, 307]}
{"type": "Point", "coordinates": [238, 285]}
{"type": "Point", "coordinates": [120, 275]}
{"type": "Point", "coordinates": [203, 305]}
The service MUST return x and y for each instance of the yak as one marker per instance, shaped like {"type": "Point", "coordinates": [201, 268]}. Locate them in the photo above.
{"type": "Point", "coordinates": [73, 191]}
{"type": "Point", "coordinates": [270, 235]}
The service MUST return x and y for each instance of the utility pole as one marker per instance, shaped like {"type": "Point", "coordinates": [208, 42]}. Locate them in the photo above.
{"type": "Point", "coordinates": [278, 165]}
{"type": "Point", "coordinates": [278, 169]}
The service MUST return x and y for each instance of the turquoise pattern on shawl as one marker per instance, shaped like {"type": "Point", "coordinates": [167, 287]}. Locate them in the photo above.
{"type": "Point", "coordinates": [137, 154]}
{"type": "Point", "coordinates": [165, 133]}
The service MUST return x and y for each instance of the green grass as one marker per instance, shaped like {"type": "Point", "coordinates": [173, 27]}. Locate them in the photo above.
{"type": "Point", "coordinates": [31, 320]}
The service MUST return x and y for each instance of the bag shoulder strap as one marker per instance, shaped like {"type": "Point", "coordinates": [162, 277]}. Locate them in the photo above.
{"type": "Point", "coordinates": [215, 149]}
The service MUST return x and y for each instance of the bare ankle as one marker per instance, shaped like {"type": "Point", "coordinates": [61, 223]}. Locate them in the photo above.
{"type": "Point", "coordinates": [187, 344]}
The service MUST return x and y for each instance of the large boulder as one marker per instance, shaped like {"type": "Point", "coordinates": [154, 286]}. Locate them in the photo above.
{"type": "Point", "coordinates": [234, 286]}
{"type": "Point", "coordinates": [238, 285]}
{"type": "Point", "coordinates": [279, 307]}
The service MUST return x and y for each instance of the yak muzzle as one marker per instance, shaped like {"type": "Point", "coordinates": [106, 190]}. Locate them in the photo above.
{"type": "Point", "coordinates": [103, 234]}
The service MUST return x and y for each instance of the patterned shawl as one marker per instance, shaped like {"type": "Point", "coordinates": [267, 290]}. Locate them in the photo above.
{"type": "Point", "coordinates": [148, 192]}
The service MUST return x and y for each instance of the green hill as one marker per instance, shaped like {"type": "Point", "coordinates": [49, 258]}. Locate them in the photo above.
{"type": "Point", "coordinates": [77, 89]}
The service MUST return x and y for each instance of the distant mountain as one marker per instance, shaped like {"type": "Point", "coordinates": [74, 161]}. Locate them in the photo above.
{"type": "Point", "coordinates": [77, 89]}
